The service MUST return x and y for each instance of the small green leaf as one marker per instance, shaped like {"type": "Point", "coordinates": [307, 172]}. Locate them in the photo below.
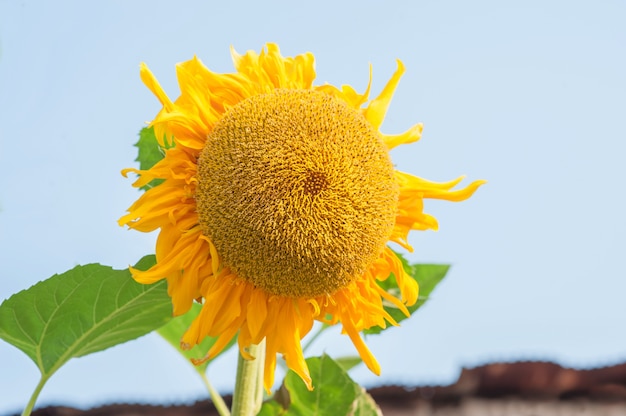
{"type": "Point", "coordinates": [333, 394]}
{"type": "Point", "coordinates": [349, 362]}
{"type": "Point", "coordinates": [427, 276]}
{"type": "Point", "coordinates": [149, 152]}
{"type": "Point", "coordinates": [174, 330]}
{"type": "Point", "coordinates": [84, 310]}
{"type": "Point", "coordinates": [364, 405]}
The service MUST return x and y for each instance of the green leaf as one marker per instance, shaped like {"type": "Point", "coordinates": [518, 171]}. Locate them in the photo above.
{"type": "Point", "coordinates": [427, 276]}
{"type": "Point", "coordinates": [149, 152]}
{"type": "Point", "coordinates": [349, 362]}
{"type": "Point", "coordinates": [174, 330]}
{"type": "Point", "coordinates": [84, 310]}
{"type": "Point", "coordinates": [333, 394]}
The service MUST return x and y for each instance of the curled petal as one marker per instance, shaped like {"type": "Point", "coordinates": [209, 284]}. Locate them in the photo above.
{"type": "Point", "coordinates": [411, 135]}
{"type": "Point", "coordinates": [377, 108]}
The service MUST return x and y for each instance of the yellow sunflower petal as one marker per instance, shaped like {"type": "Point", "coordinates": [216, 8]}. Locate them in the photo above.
{"type": "Point", "coordinates": [411, 135]}
{"type": "Point", "coordinates": [289, 333]}
{"type": "Point", "coordinates": [194, 80]}
{"type": "Point", "coordinates": [377, 108]}
{"type": "Point", "coordinates": [269, 69]}
{"type": "Point", "coordinates": [408, 287]}
{"type": "Point", "coordinates": [270, 363]}
{"type": "Point", "coordinates": [365, 353]}
{"type": "Point", "coordinates": [413, 191]}
{"type": "Point", "coordinates": [257, 312]}
{"type": "Point", "coordinates": [151, 82]}
{"type": "Point", "coordinates": [347, 93]}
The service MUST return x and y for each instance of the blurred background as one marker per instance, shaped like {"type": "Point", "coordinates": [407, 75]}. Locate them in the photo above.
{"type": "Point", "coordinates": [530, 95]}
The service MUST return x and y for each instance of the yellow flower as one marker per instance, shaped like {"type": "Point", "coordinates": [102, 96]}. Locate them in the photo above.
{"type": "Point", "coordinates": [278, 201]}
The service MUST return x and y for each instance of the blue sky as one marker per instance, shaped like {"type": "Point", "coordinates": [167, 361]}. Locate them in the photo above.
{"type": "Point", "coordinates": [530, 95]}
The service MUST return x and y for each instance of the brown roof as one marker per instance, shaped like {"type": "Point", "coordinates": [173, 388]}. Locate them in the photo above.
{"type": "Point", "coordinates": [542, 388]}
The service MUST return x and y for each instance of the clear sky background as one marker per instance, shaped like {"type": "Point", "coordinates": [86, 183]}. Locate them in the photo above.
{"type": "Point", "coordinates": [530, 95]}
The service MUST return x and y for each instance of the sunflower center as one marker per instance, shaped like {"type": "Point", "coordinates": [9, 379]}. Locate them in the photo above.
{"type": "Point", "coordinates": [314, 183]}
{"type": "Point", "coordinates": [297, 192]}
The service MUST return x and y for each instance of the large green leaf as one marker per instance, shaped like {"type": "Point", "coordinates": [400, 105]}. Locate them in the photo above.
{"type": "Point", "coordinates": [149, 152]}
{"type": "Point", "coordinates": [427, 276]}
{"type": "Point", "coordinates": [333, 393]}
{"type": "Point", "coordinates": [84, 310]}
{"type": "Point", "coordinates": [173, 331]}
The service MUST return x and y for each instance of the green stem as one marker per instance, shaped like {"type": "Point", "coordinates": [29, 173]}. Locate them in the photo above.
{"type": "Point", "coordinates": [259, 379]}
{"type": "Point", "coordinates": [246, 397]}
{"type": "Point", "coordinates": [33, 398]}
{"type": "Point", "coordinates": [217, 400]}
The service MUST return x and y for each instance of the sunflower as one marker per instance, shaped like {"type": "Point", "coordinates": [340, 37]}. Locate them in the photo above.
{"type": "Point", "coordinates": [277, 201]}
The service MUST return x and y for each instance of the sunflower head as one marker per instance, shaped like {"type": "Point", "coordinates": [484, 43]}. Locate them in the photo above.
{"type": "Point", "coordinates": [296, 191]}
{"type": "Point", "coordinates": [277, 202]}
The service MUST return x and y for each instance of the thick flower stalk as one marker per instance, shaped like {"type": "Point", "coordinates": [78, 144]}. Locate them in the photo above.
{"type": "Point", "coordinates": [278, 201]}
